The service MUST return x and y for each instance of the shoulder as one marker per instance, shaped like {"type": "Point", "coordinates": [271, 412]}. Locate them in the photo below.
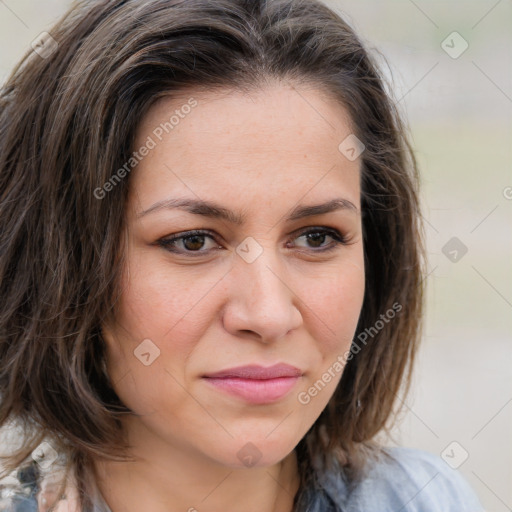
{"type": "Point", "coordinates": [408, 480]}
{"type": "Point", "coordinates": [31, 486]}
{"type": "Point", "coordinates": [17, 492]}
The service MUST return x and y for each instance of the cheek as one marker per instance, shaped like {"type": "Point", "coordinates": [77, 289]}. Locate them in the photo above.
{"type": "Point", "coordinates": [334, 305]}
{"type": "Point", "coordinates": [335, 311]}
{"type": "Point", "coordinates": [162, 300]}
{"type": "Point", "coordinates": [161, 304]}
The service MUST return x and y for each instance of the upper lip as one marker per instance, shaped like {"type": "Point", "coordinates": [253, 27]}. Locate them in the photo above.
{"type": "Point", "coordinates": [254, 371]}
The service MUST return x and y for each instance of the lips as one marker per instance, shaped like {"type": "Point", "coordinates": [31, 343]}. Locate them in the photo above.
{"type": "Point", "coordinates": [255, 384]}
{"type": "Point", "coordinates": [257, 372]}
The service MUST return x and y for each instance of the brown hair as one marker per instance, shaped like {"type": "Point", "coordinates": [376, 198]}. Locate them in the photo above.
{"type": "Point", "coordinates": [67, 122]}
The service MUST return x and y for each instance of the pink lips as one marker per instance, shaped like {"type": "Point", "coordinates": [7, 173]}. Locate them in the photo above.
{"type": "Point", "coordinates": [256, 384]}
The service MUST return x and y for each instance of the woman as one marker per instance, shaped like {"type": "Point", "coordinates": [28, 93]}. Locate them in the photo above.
{"type": "Point", "coordinates": [211, 264]}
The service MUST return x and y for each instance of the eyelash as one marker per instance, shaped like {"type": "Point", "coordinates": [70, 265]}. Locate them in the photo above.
{"type": "Point", "coordinates": [167, 243]}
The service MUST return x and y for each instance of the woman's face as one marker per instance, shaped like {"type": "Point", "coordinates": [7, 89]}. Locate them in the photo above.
{"type": "Point", "coordinates": [260, 284]}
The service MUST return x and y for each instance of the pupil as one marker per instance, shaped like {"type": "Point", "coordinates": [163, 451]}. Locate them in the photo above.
{"type": "Point", "coordinates": [195, 245]}
{"type": "Point", "coordinates": [316, 237]}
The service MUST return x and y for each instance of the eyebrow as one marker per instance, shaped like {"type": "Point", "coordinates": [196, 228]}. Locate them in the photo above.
{"type": "Point", "coordinates": [213, 210]}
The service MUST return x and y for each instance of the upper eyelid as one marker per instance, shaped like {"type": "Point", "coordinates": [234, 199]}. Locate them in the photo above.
{"type": "Point", "coordinates": [207, 232]}
{"type": "Point", "coordinates": [297, 233]}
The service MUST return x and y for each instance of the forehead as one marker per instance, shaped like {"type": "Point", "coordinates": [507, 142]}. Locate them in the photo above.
{"type": "Point", "coordinates": [271, 113]}
{"type": "Point", "coordinates": [267, 141]}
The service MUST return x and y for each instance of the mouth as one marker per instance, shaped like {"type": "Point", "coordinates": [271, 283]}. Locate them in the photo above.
{"type": "Point", "coordinates": [256, 384]}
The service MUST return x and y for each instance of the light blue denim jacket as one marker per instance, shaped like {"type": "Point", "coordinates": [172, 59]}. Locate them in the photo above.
{"type": "Point", "coordinates": [408, 480]}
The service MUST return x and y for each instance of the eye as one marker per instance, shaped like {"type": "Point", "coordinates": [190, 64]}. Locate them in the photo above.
{"type": "Point", "coordinates": [190, 242]}
{"type": "Point", "coordinates": [317, 236]}
{"type": "Point", "coordinates": [193, 243]}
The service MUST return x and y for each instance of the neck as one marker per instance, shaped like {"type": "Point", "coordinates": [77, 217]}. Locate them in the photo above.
{"type": "Point", "coordinates": [171, 478]}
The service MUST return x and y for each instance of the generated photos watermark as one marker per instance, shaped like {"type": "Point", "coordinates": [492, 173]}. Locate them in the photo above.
{"type": "Point", "coordinates": [151, 142]}
{"type": "Point", "coordinates": [304, 397]}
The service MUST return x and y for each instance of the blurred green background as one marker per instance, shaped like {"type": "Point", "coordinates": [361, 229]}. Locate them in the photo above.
{"type": "Point", "coordinates": [459, 109]}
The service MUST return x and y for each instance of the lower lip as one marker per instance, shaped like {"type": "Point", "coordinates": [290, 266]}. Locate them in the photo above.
{"type": "Point", "coordinates": [255, 391]}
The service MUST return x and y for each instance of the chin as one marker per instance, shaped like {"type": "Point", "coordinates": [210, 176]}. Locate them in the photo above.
{"type": "Point", "coordinates": [256, 451]}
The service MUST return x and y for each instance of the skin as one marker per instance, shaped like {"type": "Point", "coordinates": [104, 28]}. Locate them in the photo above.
{"type": "Point", "coordinates": [48, 495]}
{"type": "Point", "coordinates": [260, 154]}
{"type": "Point", "coordinates": [49, 498]}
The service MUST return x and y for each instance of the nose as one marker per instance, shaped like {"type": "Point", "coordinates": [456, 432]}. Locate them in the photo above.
{"type": "Point", "coordinates": [262, 302]}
